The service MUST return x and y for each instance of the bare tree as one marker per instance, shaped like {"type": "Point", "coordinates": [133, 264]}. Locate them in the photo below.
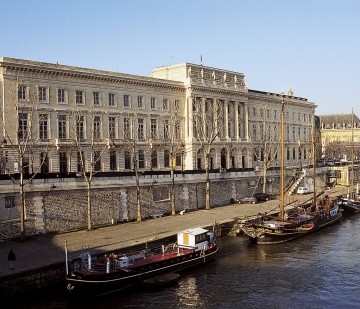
{"type": "Point", "coordinates": [207, 124]}
{"type": "Point", "coordinates": [173, 144]}
{"type": "Point", "coordinates": [266, 139]}
{"type": "Point", "coordinates": [90, 146]}
{"type": "Point", "coordinates": [23, 124]}
{"type": "Point", "coordinates": [134, 135]}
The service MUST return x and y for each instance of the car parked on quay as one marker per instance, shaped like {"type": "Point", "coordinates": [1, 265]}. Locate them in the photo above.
{"type": "Point", "coordinates": [248, 200]}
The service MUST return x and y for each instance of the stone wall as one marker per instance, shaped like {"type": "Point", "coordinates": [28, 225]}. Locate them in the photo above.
{"type": "Point", "coordinates": [66, 210]}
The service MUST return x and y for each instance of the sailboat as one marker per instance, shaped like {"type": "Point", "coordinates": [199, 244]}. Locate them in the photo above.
{"type": "Point", "coordinates": [296, 222]}
{"type": "Point", "coordinates": [350, 204]}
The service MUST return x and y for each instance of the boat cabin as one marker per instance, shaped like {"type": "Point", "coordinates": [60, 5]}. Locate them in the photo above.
{"type": "Point", "coordinates": [195, 238]}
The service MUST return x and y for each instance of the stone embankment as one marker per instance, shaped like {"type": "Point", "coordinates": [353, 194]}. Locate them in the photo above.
{"type": "Point", "coordinates": [41, 259]}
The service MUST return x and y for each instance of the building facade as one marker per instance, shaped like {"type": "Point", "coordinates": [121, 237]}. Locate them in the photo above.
{"type": "Point", "coordinates": [67, 113]}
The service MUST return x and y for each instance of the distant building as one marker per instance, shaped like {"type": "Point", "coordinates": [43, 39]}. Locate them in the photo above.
{"type": "Point", "coordinates": [339, 133]}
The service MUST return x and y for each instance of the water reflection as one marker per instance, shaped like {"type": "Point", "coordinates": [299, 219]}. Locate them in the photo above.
{"type": "Point", "coordinates": [187, 293]}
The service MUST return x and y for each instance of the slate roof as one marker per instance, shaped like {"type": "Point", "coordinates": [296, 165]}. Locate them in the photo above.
{"type": "Point", "coordinates": [338, 121]}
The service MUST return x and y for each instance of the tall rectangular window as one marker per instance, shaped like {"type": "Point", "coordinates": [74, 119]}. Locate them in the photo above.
{"type": "Point", "coordinates": [127, 133]}
{"type": "Point", "coordinates": [63, 162]}
{"type": "Point", "coordinates": [62, 127]}
{"type": "Point", "coordinates": [23, 125]}
{"type": "Point", "coordinates": [111, 99]}
{"type": "Point", "coordinates": [22, 92]}
{"type": "Point", "coordinates": [153, 128]}
{"type": "Point", "coordinates": [113, 166]}
{"type": "Point", "coordinates": [177, 105]}
{"type": "Point", "coordinates": [44, 161]}
{"type": "Point", "coordinates": [166, 158]}
{"type": "Point", "coordinates": [79, 97]}
{"type": "Point", "coordinates": [9, 201]}
{"type": "Point", "coordinates": [42, 94]}
{"type": "Point", "coordinates": [166, 129]}
{"type": "Point", "coordinates": [127, 160]}
{"type": "Point", "coordinates": [126, 100]}
{"type": "Point", "coordinates": [140, 130]}
{"type": "Point", "coordinates": [140, 101]}
{"type": "Point", "coordinates": [97, 161]}
{"type": "Point", "coordinates": [43, 127]}
{"type": "Point", "coordinates": [80, 128]}
{"type": "Point", "coordinates": [96, 127]}
{"type": "Point", "coordinates": [96, 98]}
{"type": "Point", "coordinates": [80, 161]}
{"type": "Point", "coordinates": [141, 159]}
{"type": "Point", "coordinates": [61, 95]}
{"type": "Point", "coordinates": [112, 124]}
{"type": "Point", "coordinates": [165, 104]}
{"type": "Point", "coordinates": [153, 103]}
{"type": "Point", "coordinates": [154, 159]}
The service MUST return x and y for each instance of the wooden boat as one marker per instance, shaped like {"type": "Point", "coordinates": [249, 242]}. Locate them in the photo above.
{"type": "Point", "coordinates": [283, 227]}
{"type": "Point", "coordinates": [104, 274]}
{"type": "Point", "coordinates": [349, 206]}
{"type": "Point", "coordinates": [162, 280]}
{"type": "Point", "coordinates": [272, 230]}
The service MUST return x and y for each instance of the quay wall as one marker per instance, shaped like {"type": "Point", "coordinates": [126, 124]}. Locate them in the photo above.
{"type": "Point", "coordinates": [61, 206]}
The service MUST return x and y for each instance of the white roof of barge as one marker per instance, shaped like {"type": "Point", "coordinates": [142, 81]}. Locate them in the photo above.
{"type": "Point", "coordinates": [195, 231]}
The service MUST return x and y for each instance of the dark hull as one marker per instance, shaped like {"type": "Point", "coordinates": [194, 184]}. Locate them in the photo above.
{"type": "Point", "coordinates": [102, 284]}
{"type": "Point", "coordinates": [266, 236]}
{"type": "Point", "coordinates": [349, 209]}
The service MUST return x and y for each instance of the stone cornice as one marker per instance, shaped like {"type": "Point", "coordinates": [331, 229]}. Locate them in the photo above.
{"type": "Point", "coordinates": [18, 65]}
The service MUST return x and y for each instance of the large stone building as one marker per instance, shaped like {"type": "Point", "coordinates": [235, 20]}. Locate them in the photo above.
{"type": "Point", "coordinates": [70, 110]}
{"type": "Point", "coordinates": [59, 121]}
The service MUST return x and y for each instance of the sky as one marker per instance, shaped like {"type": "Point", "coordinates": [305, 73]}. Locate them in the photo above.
{"type": "Point", "coordinates": [309, 46]}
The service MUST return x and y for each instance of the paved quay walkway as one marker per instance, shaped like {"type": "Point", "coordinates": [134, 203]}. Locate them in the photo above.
{"type": "Point", "coordinates": [44, 250]}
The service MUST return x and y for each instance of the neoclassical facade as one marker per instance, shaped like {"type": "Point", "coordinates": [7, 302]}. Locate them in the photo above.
{"type": "Point", "coordinates": [111, 118]}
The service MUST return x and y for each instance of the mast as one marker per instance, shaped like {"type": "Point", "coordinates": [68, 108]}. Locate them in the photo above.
{"type": "Point", "coordinates": [314, 158]}
{"type": "Point", "coordinates": [282, 171]}
{"type": "Point", "coordinates": [352, 153]}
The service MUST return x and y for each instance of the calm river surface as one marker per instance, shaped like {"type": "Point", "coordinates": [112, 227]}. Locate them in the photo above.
{"type": "Point", "coordinates": [321, 270]}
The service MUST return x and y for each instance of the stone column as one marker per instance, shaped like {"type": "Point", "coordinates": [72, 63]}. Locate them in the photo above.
{"type": "Point", "coordinates": [226, 118]}
{"type": "Point", "coordinates": [236, 123]}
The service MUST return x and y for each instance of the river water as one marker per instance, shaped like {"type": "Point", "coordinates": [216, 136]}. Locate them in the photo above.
{"type": "Point", "coordinates": [320, 270]}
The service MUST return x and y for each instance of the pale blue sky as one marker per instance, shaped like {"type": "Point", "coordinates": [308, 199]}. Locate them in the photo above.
{"type": "Point", "coordinates": [310, 46]}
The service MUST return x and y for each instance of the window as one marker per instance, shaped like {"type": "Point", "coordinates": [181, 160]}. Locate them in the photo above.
{"type": "Point", "coordinates": [42, 94]}
{"type": "Point", "coordinates": [97, 161]}
{"type": "Point", "coordinates": [112, 131]}
{"type": "Point", "coordinates": [153, 128]}
{"type": "Point", "coordinates": [141, 157]}
{"type": "Point", "coordinates": [166, 158]}
{"type": "Point", "coordinates": [254, 131]}
{"type": "Point", "coordinates": [62, 162]}
{"type": "Point", "coordinates": [62, 127]}
{"type": "Point", "coordinates": [61, 95]}
{"type": "Point", "coordinates": [79, 97]}
{"type": "Point", "coordinates": [153, 103]}
{"type": "Point", "coordinates": [165, 104]}
{"type": "Point", "coordinates": [80, 161]}
{"type": "Point", "coordinates": [80, 128]}
{"type": "Point", "coordinates": [9, 201]}
{"type": "Point", "coordinates": [126, 100]}
{"type": "Point", "coordinates": [177, 105]}
{"type": "Point", "coordinates": [22, 92]}
{"type": "Point", "coordinates": [111, 99]}
{"type": "Point", "coordinates": [113, 166]}
{"type": "Point", "coordinates": [254, 111]}
{"type": "Point", "coordinates": [140, 130]}
{"type": "Point", "coordinates": [96, 127]}
{"type": "Point", "coordinates": [166, 129]}
{"type": "Point", "coordinates": [154, 160]}
{"type": "Point", "coordinates": [275, 114]}
{"type": "Point", "coordinates": [140, 101]}
{"type": "Point", "coordinates": [127, 133]}
{"type": "Point", "coordinates": [96, 98]}
{"type": "Point", "coordinates": [44, 162]}
{"type": "Point", "coordinates": [177, 131]}
{"type": "Point", "coordinates": [293, 134]}
{"type": "Point", "coordinates": [43, 127]}
{"type": "Point", "coordinates": [127, 160]}
{"type": "Point", "coordinates": [23, 124]}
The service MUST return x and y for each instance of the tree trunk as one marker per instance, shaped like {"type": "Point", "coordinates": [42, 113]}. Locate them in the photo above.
{"type": "Point", "coordinates": [89, 215]}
